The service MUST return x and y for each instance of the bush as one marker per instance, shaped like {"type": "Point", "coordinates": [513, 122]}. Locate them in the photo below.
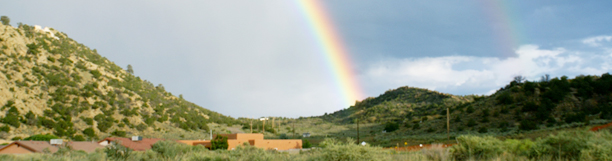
{"type": "Point", "coordinates": [170, 149]}
{"type": "Point", "coordinates": [117, 151]}
{"type": "Point", "coordinates": [469, 109]}
{"type": "Point", "coordinates": [306, 143]}
{"type": "Point", "coordinates": [141, 127]}
{"type": "Point", "coordinates": [471, 123]}
{"type": "Point", "coordinates": [528, 125]}
{"type": "Point", "coordinates": [95, 73]}
{"type": "Point", "coordinates": [78, 138]}
{"type": "Point", "coordinates": [416, 126]}
{"type": "Point", "coordinates": [88, 121]}
{"type": "Point", "coordinates": [391, 126]}
{"type": "Point", "coordinates": [283, 136]}
{"type": "Point", "coordinates": [41, 137]}
{"type": "Point", "coordinates": [119, 133]}
{"type": "Point", "coordinates": [476, 147]}
{"type": "Point", "coordinates": [332, 149]}
{"type": "Point", "coordinates": [504, 98]}
{"type": "Point", "coordinates": [5, 128]}
{"type": "Point", "coordinates": [482, 130]}
{"type": "Point", "coordinates": [220, 142]}
{"type": "Point", "coordinates": [576, 145]}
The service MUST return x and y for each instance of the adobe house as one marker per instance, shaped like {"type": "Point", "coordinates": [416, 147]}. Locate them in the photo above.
{"type": "Point", "coordinates": [256, 140]}
{"type": "Point", "coordinates": [136, 143]}
{"type": "Point", "coordinates": [205, 143]}
{"type": "Point", "coordinates": [25, 147]}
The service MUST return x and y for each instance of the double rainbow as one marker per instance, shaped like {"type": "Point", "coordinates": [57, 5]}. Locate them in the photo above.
{"type": "Point", "coordinates": [333, 48]}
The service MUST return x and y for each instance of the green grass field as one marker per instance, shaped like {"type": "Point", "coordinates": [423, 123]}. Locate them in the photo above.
{"type": "Point", "coordinates": [568, 144]}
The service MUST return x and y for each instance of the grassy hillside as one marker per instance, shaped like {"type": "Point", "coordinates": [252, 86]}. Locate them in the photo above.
{"type": "Point", "coordinates": [396, 105]}
{"type": "Point", "coordinates": [520, 109]}
{"type": "Point", "coordinates": [50, 83]}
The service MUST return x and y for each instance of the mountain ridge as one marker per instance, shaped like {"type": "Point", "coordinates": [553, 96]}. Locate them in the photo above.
{"type": "Point", "coordinates": [68, 89]}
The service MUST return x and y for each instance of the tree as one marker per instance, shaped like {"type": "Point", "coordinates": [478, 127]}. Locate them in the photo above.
{"type": "Point", "coordinates": [545, 78]}
{"type": "Point", "coordinates": [119, 133]}
{"type": "Point", "coordinates": [391, 126]}
{"type": "Point", "coordinates": [130, 70]}
{"type": "Point", "coordinates": [5, 20]}
{"type": "Point", "coordinates": [471, 123]}
{"type": "Point", "coordinates": [89, 132]}
{"type": "Point", "coordinates": [306, 144]}
{"type": "Point", "coordinates": [519, 79]}
{"type": "Point", "coordinates": [41, 137]}
{"type": "Point", "coordinates": [528, 125]}
{"type": "Point", "coordinates": [220, 142]}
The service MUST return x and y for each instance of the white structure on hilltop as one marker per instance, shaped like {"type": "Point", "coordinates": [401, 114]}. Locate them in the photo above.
{"type": "Point", "coordinates": [46, 30]}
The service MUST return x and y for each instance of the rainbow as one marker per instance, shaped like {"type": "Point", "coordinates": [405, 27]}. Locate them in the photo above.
{"type": "Point", "coordinates": [334, 50]}
{"type": "Point", "coordinates": [506, 28]}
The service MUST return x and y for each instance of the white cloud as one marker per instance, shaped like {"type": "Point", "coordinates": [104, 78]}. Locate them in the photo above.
{"type": "Point", "coordinates": [596, 40]}
{"type": "Point", "coordinates": [480, 75]}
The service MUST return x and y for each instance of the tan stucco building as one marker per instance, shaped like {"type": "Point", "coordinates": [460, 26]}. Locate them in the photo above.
{"type": "Point", "coordinates": [256, 140]}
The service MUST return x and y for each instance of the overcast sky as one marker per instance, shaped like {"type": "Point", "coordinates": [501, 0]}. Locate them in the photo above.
{"type": "Point", "coordinates": [260, 58]}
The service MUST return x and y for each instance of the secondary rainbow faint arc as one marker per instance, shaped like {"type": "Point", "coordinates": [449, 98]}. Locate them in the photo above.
{"type": "Point", "coordinates": [333, 49]}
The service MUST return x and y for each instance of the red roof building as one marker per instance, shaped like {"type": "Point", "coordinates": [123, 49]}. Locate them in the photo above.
{"type": "Point", "coordinates": [24, 147]}
{"type": "Point", "coordinates": [140, 145]}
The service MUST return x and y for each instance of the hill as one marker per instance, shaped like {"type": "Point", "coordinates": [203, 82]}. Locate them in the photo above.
{"type": "Point", "coordinates": [520, 109]}
{"type": "Point", "coordinates": [50, 83]}
{"type": "Point", "coordinates": [398, 104]}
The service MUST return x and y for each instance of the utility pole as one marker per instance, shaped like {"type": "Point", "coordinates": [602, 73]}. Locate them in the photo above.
{"type": "Point", "coordinates": [358, 131]}
{"type": "Point", "coordinates": [263, 126]}
{"type": "Point", "coordinates": [294, 129]}
{"type": "Point", "coordinates": [447, 123]}
{"type": "Point", "coordinates": [251, 126]}
{"type": "Point", "coordinates": [273, 118]}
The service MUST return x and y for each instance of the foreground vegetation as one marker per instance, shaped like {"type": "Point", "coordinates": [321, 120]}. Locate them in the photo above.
{"type": "Point", "coordinates": [570, 145]}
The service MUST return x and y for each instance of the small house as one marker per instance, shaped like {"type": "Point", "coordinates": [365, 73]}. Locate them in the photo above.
{"type": "Point", "coordinates": [25, 147]}
{"type": "Point", "coordinates": [135, 143]}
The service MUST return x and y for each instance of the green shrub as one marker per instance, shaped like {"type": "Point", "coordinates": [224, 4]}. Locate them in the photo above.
{"type": "Point", "coordinates": [119, 133]}
{"type": "Point", "coordinates": [391, 126]}
{"type": "Point", "coordinates": [332, 149]}
{"type": "Point", "coordinates": [141, 127]}
{"type": "Point", "coordinates": [12, 117]}
{"type": "Point", "coordinates": [220, 142]}
{"type": "Point", "coordinates": [78, 138]}
{"type": "Point", "coordinates": [5, 128]}
{"type": "Point", "coordinates": [117, 151]}
{"type": "Point", "coordinates": [41, 137]}
{"type": "Point", "coordinates": [88, 121]}
{"type": "Point", "coordinates": [482, 130]}
{"type": "Point", "coordinates": [471, 122]}
{"type": "Point", "coordinates": [528, 125]}
{"type": "Point", "coordinates": [89, 132]}
{"type": "Point", "coordinates": [171, 149]}
{"type": "Point", "coordinates": [306, 143]}
{"type": "Point", "coordinates": [567, 145]}
{"type": "Point", "coordinates": [283, 136]}
{"type": "Point", "coordinates": [469, 109]}
{"type": "Point", "coordinates": [504, 98]}
{"type": "Point", "coordinates": [95, 73]}
{"type": "Point", "coordinates": [475, 147]}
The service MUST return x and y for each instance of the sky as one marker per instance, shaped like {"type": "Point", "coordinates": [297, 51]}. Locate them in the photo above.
{"type": "Point", "coordinates": [262, 58]}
